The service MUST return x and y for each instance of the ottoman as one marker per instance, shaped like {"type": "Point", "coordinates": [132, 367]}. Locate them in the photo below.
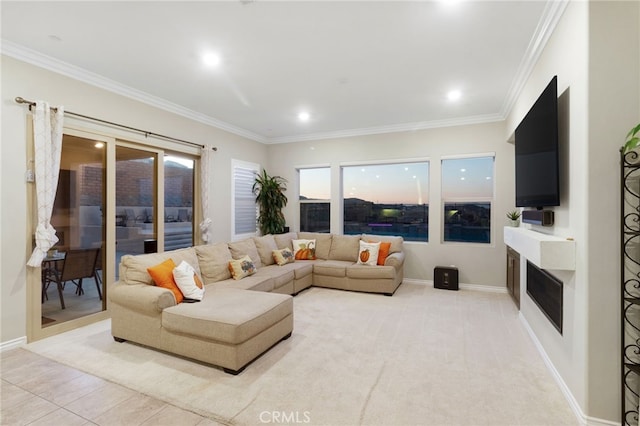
{"type": "Point", "coordinates": [229, 327]}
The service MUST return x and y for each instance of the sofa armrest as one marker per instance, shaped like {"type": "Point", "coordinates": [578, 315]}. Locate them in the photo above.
{"type": "Point", "coordinates": [395, 259]}
{"type": "Point", "coordinates": [141, 297]}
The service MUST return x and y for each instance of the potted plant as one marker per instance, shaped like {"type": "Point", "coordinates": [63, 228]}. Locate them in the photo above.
{"type": "Point", "coordinates": [269, 191]}
{"type": "Point", "coordinates": [632, 139]}
{"type": "Point", "coordinates": [514, 217]}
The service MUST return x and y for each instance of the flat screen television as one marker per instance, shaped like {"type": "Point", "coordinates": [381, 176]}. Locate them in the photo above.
{"type": "Point", "coordinates": [536, 140]}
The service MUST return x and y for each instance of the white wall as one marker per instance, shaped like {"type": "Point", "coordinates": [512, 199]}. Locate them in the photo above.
{"type": "Point", "coordinates": [477, 263]}
{"type": "Point", "coordinates": [566, 56]}
{"type": "Point", "coordinates": [30, 82]}
{"type": "Point", "coordinates": [594, 51]}
{"type": "Point", "coordinates": [614, 108]}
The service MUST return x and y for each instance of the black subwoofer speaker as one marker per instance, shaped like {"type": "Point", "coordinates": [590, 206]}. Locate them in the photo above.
{"type": "Point", "coordinates": [445, 277]}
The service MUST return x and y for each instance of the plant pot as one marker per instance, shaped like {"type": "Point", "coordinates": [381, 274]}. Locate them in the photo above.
{"type": "Point", "coordinates": [514, 222]}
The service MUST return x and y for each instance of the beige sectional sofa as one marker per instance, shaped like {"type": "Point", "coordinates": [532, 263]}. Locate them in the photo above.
{"type": "Point", "coordinates": [238, 320]}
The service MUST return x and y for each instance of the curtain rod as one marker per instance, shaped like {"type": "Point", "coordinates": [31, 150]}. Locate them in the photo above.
{"type": "Point", "coordinates": [144, 132]}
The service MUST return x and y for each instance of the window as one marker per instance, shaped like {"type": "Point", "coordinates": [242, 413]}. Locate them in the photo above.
{"type": "Point", "coordinates": [315, 199]}
{"type": "Point", "coordinates": [467, 195]}
{"type": "Point", "coordinates": [387, 199]}
{"type": "Point", "coordinates": [244, 208]}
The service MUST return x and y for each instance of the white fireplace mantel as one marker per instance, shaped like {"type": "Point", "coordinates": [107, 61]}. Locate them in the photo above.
{"type": "Point", "coordinates": [543, 250]}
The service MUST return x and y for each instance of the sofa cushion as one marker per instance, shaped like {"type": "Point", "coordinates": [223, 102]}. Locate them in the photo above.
{"type": "Point", "coordinates": [245, 247]}
{"type": "Point", "coordinates": [280, 276]}
{"type": "Point", "coordinates": [344, 247]}
{"type": "Point", "coordinates": [214, 261]}
{"type": "Point", "coordinates": [367, 272]}
{"type": "Point", "coordinates": [133, 269]}
{"type": "Point", "coordinates": [265, 246]}
{"type": "Point", "coordinates": [260, 281]}
{"type": "Point", "coordinates": [242, 267]}
{"type": "Point", "coordinates": [332, 268]}
{"type": "Point", "coordinates": [323, 242]}
{"type": "Point", "coordinates": [300, 269]}
{"type": "Point", "coordinates": [396, 242]}
{"type": "Point", "coordinates": [162, 275]}
{"type": "Point", "coordinates": [284, 240]}
{"type": "Point", "coordinates": [218, 318]}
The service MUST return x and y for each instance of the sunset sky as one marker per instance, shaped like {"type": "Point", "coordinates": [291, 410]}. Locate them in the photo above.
{"type": "Point", "coordinates": [463, 178]}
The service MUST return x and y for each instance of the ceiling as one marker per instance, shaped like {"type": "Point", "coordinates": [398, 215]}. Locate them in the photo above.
{"type": "Point", "coordinates": [357, 67]}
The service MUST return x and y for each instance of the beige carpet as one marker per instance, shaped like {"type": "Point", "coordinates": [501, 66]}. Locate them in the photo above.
{"type": "Point", "coordinates": [421, 357]}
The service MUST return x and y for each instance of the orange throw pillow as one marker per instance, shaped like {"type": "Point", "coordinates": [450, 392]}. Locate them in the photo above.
{"type": "Point", "coordinates": [162, 275]}
{"type": "Point", "coordinates": [383, 252]}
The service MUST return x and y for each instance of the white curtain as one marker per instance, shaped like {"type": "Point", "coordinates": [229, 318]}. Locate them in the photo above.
{"type": "Point", "coordinates": [206, 164]}
{"type": "Point", "coordinates": [47, 136]}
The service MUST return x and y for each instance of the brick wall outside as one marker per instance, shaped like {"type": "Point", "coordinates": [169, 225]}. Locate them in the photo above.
{"type": "Point", "coordinates": [134, 186]}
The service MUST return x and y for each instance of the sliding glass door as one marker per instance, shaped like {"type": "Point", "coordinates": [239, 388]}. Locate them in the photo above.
{"type": "Point", "coordinates": [178, 201]}
{"type": "Point", "coordinates": [136, 201]}
{"type": "Point", "coordinates": [114, 197]}
{"type": "Point", "coordinates": [72, 279]}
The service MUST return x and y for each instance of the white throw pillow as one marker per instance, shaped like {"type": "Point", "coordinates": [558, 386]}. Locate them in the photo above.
{"type": "Point", "coordinates": [368, 254]}
{"type": "Point", "coordinates": [284, 256]}
{"type": "Point", "coordinates": [188, 281]}
{"type": "Point", "coordinates": [304, 249]}
{"type": "Point", "coordinates": [242, 267]}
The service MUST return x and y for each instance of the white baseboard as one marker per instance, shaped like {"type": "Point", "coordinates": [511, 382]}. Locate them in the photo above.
{"type": "Point", "coordinates": [13, 344]}
{"type": "Point", "coordinates": [475, 287]}
{"type": "Point", "coordinates": [583, 419]}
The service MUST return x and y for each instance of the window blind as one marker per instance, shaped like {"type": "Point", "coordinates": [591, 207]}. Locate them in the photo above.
{"type": "Point", "coordinates": [246, 209]}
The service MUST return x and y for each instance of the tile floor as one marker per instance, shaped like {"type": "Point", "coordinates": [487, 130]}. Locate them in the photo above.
{"type": "Point", "coordinates": [38, 391]}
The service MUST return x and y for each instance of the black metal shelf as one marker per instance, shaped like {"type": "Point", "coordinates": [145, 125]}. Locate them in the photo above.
{"type": "Point", "coordinates": [635, 368]}
{"type": "Point", "coordinates": [630, 286]}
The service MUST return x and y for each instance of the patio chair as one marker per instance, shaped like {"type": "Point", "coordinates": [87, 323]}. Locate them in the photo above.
{"type": "Point", "coordinates": [78, 264]}
{"type": "Point", "coordinates": [97, 274]}
{"type": "Point", "coordinates": [132, 216]}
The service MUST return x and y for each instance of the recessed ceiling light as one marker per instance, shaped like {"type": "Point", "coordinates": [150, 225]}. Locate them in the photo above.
{"type": "Point", "coordinates": [211, 59]}
{"type": "Point", "coordinates": [304, 116]}
{"type": "Point", "coordinates": [454, 95]}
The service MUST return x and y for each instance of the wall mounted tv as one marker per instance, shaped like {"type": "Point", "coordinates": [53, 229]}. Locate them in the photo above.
{"type": "Point", "coordinates": [536, 140]}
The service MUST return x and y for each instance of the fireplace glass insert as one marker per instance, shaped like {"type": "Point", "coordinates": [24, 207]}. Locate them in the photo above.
{"type": "Point", "coordinates": [546, 292]}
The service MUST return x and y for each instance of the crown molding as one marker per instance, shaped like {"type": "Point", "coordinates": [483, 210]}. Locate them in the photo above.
{"type": "Point", "coordinates": [551, 16]}
{"type": "Point", "coordinates": [38, 59]}
{"type": "Point", "coordinates": [546, 26]}
{"type": "Point", "coordinates": [394, 128]}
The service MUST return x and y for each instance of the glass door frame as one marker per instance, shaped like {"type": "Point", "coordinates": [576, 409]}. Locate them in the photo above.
{"type": "Point", "coordinates": [158, 207]}
{"type": "Point", "coordinates": [35, 330]}
{"type": "Point", "coordinates": [112, 138]}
